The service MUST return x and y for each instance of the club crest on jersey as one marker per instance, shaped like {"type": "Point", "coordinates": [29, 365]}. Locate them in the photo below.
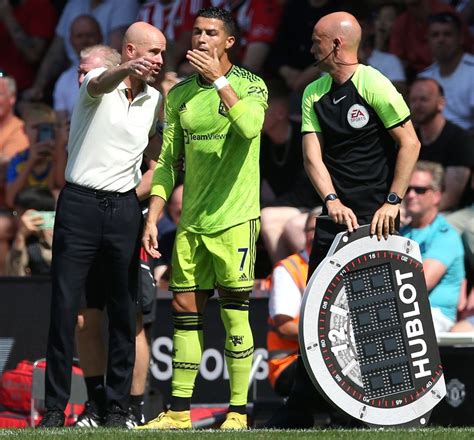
{"type": "Point", "coordinates": [222, 109]}
{"type": "Point", "coordinates": [357, 116]}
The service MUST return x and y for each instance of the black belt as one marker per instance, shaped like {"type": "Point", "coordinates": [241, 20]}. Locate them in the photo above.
{"type": "Point", "coordinates": [98, 193]}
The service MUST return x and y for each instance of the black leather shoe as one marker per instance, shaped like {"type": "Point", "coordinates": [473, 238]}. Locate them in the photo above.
{"type": "Point", "coordinates": [116, 417]}
{"type": "Point", "coordinates": [53, 418]}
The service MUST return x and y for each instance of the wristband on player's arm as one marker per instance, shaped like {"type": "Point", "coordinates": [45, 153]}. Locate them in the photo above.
{"type": "Point", "coordinates": [220, 82]}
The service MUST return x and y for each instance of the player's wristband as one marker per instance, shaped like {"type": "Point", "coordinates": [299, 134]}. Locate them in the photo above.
{"type": "Point", "coordinates": [221, 82]}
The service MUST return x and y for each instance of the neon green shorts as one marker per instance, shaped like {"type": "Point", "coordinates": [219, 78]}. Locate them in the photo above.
{"type": "Point", "coordinates": [225, 259]}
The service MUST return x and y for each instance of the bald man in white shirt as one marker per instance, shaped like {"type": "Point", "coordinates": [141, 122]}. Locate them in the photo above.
{"type": "Point", "coordinates": [99, 219]}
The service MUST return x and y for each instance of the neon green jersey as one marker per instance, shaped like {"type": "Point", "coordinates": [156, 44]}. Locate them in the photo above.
{"type": "Point", "coordinates": [221, 150]}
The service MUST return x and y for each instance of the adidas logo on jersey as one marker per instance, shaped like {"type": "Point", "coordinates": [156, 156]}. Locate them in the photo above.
{"type": "Point", "coordinates": [243, 277]}
{"type": "Point", "coordinates": [182, 107]}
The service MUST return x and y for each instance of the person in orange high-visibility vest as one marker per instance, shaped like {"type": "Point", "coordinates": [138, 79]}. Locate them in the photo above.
{"type": "Point", "coordinates": [288, 282]}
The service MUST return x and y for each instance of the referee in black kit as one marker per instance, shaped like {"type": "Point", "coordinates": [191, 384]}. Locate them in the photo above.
{"type": "Point", "coordinates": [360, 149]}
{"type": "Point", "coordinates": [98, 217]}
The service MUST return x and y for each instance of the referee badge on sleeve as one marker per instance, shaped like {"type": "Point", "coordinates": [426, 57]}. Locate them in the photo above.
{"type": "Point", "coordinates": [366, 333]}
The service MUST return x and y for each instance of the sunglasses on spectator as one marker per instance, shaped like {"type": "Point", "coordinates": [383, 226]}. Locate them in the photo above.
{"type": "Point", "coordinates": [419, 189]}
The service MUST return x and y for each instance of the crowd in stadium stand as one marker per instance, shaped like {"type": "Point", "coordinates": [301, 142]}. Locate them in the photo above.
{"type": "Point", "coordinates": [423, 46]}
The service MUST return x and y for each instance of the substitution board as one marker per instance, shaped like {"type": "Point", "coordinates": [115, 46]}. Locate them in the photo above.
{"type": "Point", "coordinates": [366, 333]}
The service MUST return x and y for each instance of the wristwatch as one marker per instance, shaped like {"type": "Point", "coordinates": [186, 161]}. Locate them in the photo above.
{"type": "Point", "coordinates": [330, 196]}
{"type": "Point", "coordinates": [393, 198]}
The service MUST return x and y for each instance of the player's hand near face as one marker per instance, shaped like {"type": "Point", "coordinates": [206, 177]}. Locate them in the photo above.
{"type": "Point", "coordinates": [383, 222]}
{"type": "Point", "coordinates": [207, 65]}
{"type": "Point", "coordinates": [341, 214]}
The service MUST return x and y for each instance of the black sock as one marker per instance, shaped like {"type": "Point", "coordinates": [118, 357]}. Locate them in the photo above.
{"type": "Point", "coordinates": [180, 403]}
{"type": "Point", "coordinates": [96, 390]}
{"type": "Point", "coordinates": [241, 409]}
{"type": "Point", "coordinates": [137, 400]}
{"type": "Point", "coordinates": [137, 405]}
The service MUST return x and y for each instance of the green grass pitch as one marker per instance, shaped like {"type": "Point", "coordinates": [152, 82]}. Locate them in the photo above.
{"type": "Point", "coordinates": [333, 434]}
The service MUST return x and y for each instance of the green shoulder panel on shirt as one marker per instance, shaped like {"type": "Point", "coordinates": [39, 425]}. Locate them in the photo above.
{"type": "Point", "coordinates": [313, 93]}
{"type": "Point", "coordinates": [381, 95]}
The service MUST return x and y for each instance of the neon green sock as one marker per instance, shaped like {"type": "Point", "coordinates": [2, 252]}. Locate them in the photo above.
{"type": "Point", "coordinates": [238, 347]}
{"type": "Point", "coordinates": [187, 352]}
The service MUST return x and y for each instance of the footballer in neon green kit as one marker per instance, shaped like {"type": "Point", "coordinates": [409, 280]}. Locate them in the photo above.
{"type": "Point", "coordinates": [213, 118]}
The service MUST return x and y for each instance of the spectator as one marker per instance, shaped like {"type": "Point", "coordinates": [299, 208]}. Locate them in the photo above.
{"type": "Point", "coordinates": [291, 55]}
{"type": "Point", "coordinates": [114, 16]}
{"type": "Point", "coordinates": [258, 23]}
{"type": "Point", "coordinates": [374, 47]}
{"type": "Point", "coordinates": [13, 138]}
{"type": "Point", "coordinates": [33, 166]}
{"type": "Point", "coordinates": [30, 253]}
{"type": "Point", "coordinates": [441, 247]}
{"type": "Point", "coordinates": [289, 194]}
{"type": "Point", "coordinates": [176, 18]}
{"type": "Point", "coordinates": [91, 57]}
{"type": "Point", "coordinates": [409, 41]}
{"type": "Point", "coordinates": [287, 288]}
{"type": "Point", "coordinates": [281, 158]}
{"type": "Point", "coordinates": [441, 141]}
{"type": "Point", "coordinates": [85, 32]}
{"type": "Point", "coordinates": [462, 221]}
{"type": "Point", "coordinates": [384, 20]}
{"type": "Point", "coordinates": [26, 27]}
{"type": "Point", "coordinates": [453, 69]}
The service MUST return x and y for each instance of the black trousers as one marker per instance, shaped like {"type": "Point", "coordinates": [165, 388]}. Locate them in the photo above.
{"type": "Point", "coordinates": [93, 226]}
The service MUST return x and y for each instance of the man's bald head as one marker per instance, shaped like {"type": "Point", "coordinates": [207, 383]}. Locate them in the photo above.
{"type": "Point", "coordinates": [140, 33]}
{"type": "Point", "coordinates": [336, 38]}
{"type": "Point", "coordinates": [144, 40]}
{"type": "Point", "coordinates": [342, 28]}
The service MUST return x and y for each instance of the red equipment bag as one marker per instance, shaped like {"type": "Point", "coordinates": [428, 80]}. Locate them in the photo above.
{"type": "Point", "coordinates": [12, 420]}
{"type": "Point", "coordinates": [15, 387]}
